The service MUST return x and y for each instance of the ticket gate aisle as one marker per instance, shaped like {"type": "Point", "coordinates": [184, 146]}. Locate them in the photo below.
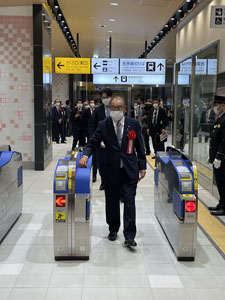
{"type": "Point", "coordinates": [11, 188]}
{"type": "Point", "coordinates": [176, 201]}
{"type": "Point", "coordinates": [72, 196]}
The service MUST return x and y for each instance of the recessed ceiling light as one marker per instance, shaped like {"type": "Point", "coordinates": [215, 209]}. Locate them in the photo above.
{"type": "Point", "coordinates": [172, 19]}
{"type": "Point", "coordinates": [112, 20]}
{"type": "Point", "coordinates": [114, 3]}
{"type": "Point", "coordinates": [102, 25]}
{"type": "Point", "coordinates": [107, 46]}
{"type": "Point", "coordinates": [110, 31]}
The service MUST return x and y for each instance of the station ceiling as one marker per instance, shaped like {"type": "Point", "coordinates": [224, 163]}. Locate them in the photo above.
{"type": "Point", "coordinates": [135, 22]}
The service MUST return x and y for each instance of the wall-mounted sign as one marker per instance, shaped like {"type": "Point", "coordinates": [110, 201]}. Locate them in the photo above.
{"type": "Point", "coordinates": [212, 66]}
{"type": "Point", "coordinates": [185, 66]}
{"type": "Point", "coordinates": [67, 65]}
{"type": "Point", "coordinates": [128, 79]}
{"type": "Point", "coordinates": [201, 66]}
{"type": "Point", "coordinates": [217, 17]}
{"type": "Point", "coordinates": [47, 64]}
{"type": "Point", "coordinates": [143, 66]}
{"type": "Point", "coordinates": [105, 65]}
{"type": "Point", "coordinates": [183, 79]}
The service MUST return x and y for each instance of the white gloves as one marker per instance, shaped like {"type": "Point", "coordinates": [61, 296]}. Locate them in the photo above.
{"type": "Point", "coordinates": [216, 163]}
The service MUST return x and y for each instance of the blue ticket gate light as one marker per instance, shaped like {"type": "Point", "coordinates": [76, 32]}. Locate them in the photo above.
{"type": "Point", "coordinates": [176, 201]}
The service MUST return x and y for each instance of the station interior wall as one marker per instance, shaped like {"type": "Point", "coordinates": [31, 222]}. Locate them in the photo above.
{"type": "Point", "coordinates": [60, 87]}
{"type": "Point", "coordinates": [16, 81]}
{"type": "Point", "coordinates": [197, 34]}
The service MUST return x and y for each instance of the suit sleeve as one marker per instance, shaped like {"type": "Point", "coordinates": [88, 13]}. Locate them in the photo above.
{"type": "Point", "coordinates": [55, 116]}
{"type": "Point", "coordinates": [94, 142]}
{"type": "Point", "coordinates": [221, 150]}
{"type": "Point", "coordinates": [140, 149]}
{"type": "Point", "coordinates": [93, 123]}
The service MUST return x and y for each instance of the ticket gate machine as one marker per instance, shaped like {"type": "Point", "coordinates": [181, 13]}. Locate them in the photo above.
{"type": "Point", "coordinates": [176, 201]}
{"type": "Point", "coordinates": [71, 205]}
{"type": "Point", "coordinates": [11, 188]}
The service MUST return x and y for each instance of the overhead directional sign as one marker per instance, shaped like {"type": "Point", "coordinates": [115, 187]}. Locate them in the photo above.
{"type": "Point", "coordinates": [128, 79]}
{"type": "Point", "coordinates": [143, 66]}
{"type": "Point", "coordinates": [67, 65]}
{"type": "Point", "coordinates": [105, 66]}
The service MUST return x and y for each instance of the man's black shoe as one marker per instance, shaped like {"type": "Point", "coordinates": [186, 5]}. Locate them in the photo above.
{"type": "Point", "coordinates": [63, 142]}
{"type": "Point", "coordinates": [147, 153]}
{"type": "Point", "coordinates": [153, 157]}
{"type": "Point", "coordinates": [130, 243]}
{"type": "Point", "coordinates": [220, 212]}
{"type": "Point", "coordinates": [94, 179]}
{"type": "Point", "coordinates": [112, 236]}
{"type": "Point", "coordinates": [218, 207]}
{"type": "Point", "coordinates": [101, 188]}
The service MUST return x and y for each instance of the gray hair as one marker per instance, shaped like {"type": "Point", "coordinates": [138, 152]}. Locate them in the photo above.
{"type": "Point", "coordinates": [117, 97]}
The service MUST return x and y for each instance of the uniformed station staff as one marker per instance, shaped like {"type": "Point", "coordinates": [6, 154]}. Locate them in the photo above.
{"type": "Point", "coordinates": [217, 153]}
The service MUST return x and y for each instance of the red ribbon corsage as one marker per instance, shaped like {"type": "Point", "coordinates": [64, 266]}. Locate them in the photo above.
{"type": "Point", "coordinates": [131, 137]}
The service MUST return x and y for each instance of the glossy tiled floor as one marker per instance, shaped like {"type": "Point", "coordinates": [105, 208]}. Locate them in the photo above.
{"type": "Point", "coordinates": [28, 270]}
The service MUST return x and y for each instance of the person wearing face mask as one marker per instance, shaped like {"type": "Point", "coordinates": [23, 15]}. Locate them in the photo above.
{"type": "Point", "coordinates": [126, 165]}
{"type": "Point", "coordinates": [57, 122]}
{"type": "Point", "coordinates": [133, 112]}
{"type": "Point", "coordinates": [100, 113]}
{"type": "Point", "coordinates": [217, 153]}
{"type": "Point", "coordinates": [157, 126]}
{"type": "Point", "coordinates": [76, 118]}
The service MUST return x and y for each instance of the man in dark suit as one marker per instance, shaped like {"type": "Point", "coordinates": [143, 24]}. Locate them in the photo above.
{"type": "Point", "coordinates": [124, 167]}
{"type": "Point", "coordinates": [57, 122]}
{"type": "Point", "coordinates": [76, 118]}
{"type": "Point", "coordinates": [157, 126]}
{"type": "Point", "coordinates": [100, 113]}
{"type": "Point", "coordinates": [217, 153]}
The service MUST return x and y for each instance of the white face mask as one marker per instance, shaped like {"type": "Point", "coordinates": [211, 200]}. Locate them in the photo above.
{"type": "Point", "coordinates": [57, 104]}
{"type": "Point", "coordinates": [106, 101]}
{"type": "Point", "coordinates": [87, 106]}
{"type": "Point", "coordinates": [155, 105]}
{"type": "Point", "coordinates": [116, 115]}
{"type": "Point", "coordinates": [92, 105]}
{"type": "Point", "coordinates": [79, 105]}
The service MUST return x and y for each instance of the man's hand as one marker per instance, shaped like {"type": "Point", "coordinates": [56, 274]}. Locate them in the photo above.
{"type": "Point", "coordinates": [102, 145]}
{"type": "Point", "coordinates": [148, 131]}
{"type": "Point", "coordinates": [83, 162]}
{"type": "Point", "coordinates": [142, 174]}
{"type": "Point", "coordinates": [60, 121]}
{"type": "Point", "coordinates": [164, 131]}
{"type": "Point", "coordinates": [217, 163]}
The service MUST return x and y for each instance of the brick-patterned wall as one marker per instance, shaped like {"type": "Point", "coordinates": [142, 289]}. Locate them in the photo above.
{"type": "Point", "coordinates": [60, 87]}
{"type": "Point", "coordinates": [16, 85]}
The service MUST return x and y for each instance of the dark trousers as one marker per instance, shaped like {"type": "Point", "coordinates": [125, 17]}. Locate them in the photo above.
{"type": "Point", "coordinates": [112, 196]}
{"type": "Point", "coordinates": [58, 130]}
{"type": "Point", "coordinates": [78, 135]}
{"type": "Point", "coordinates": [157, 145]}
{"type": "Point", "coordinates": [146, 140]}
{"type": "Point", "coordinates": [94, 164]}
{"type": "Point", "coordinates": [220, 182]}
{"type": "Point", "coordinates": [101, 157]}
{"type": "Point", "coordinates": [68, 128]}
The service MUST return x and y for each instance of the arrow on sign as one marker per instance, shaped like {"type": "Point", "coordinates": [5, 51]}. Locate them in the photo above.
{"type": "Point", "coordinates": [59, 65]}
{"type": "Point", "coordinates": [116, 78]}
{"type": "Point", "coordinates": [96, 66]}
{"type": "Point", "coordinates": [160, 66]}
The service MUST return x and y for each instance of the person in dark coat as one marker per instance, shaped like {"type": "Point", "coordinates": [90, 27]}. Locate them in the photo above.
{"type": "Point", "coordinates": [100, 113]}
{"type": "Point", "coordinates": [125, 166]}
{"type": "Point", "coordinates": [217, 153]}
{"type": "Point", "coordinates": [157, 126]}
{"type": "Point", "coordinates": [57, 122]}
{"type": "Point", "coordinates": [68, 114]}
{"type": "Point", "coordinates": [76, 118]}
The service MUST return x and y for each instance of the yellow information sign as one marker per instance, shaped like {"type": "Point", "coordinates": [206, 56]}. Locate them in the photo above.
{"type": "Point", "coordinates": [47, 65]}
{"type": "Point", "coordinates": [67, 65]}
{"type": "Point", "coordinates": [60, 217]}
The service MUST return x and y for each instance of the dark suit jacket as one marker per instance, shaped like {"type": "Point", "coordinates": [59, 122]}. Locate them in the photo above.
{"type": "Point", "coordinates": [97, 116]}
{"type": "Point", "coordinates": [114, 153]}
{"type": "Point", "coordinates": [161, 121]}
{"type": "Point", "coordinates": [217, 141]}
{"type": "Point", "coordinates": [77, 123]}
{"type": "Point", "coordinates": [56, 115]}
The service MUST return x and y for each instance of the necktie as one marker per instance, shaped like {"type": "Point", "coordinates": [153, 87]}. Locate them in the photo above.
{"type": "Point", "coordinates": [119, 138]}
{"type": "Point", "coordinates": [154, 121]}
{"type": "Point", "coordinates": [119, 133]}
{"type": "Point", "coordinates": [107, 111]}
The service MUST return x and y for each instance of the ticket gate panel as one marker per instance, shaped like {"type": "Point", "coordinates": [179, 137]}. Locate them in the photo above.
{"type": "Point", "coordinates": [11, 189]}
{"type": "Point", "coordinates": [176, 201]}
{"type": "Point", "coordinates": [72, 232]}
